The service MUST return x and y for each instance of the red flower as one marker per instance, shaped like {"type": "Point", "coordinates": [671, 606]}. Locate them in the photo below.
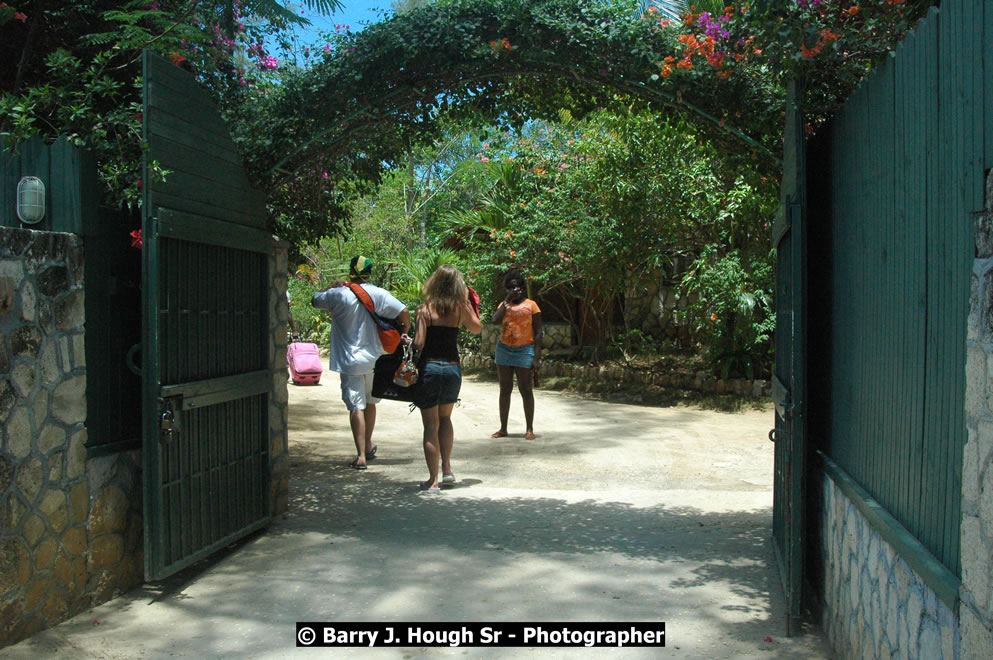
{"type": "Point", "coordinates": [176, 58]}
{"type": "Point", "coordinates": [135, 238]}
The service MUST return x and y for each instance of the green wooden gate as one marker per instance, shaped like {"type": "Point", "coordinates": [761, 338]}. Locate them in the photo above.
{"type": "Point", "coordinates": [206, 380]}
{"type": "Point", "coordinates": [789, 378]}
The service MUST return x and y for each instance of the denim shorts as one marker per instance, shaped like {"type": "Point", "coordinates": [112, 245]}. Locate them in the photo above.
{"type": "Point", "coordinates": [439, 384]}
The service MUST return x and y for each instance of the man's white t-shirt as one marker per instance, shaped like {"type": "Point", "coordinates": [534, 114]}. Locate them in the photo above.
{"type": "Point", "coordinates": [355, 344]}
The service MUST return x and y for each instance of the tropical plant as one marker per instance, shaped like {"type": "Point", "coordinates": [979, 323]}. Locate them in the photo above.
{"type": "Point", "coordinates": [731, 310]}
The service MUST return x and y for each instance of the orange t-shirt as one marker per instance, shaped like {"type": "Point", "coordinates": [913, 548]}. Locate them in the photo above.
{"type": "Point", "coordinates": [517, 323]}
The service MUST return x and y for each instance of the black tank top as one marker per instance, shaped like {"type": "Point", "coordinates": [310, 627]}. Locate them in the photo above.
{"type": "Point", "coordinates": [441, 344]}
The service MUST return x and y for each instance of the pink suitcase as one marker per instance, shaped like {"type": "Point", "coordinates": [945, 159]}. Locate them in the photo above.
{"type": "Point", "coordinates": [305, 363]}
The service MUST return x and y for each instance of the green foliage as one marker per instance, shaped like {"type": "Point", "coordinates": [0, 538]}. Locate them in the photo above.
{"type": "Point", "coordinates": [731, 310]}
{"type": "Point", "coordinates": [598, 205]}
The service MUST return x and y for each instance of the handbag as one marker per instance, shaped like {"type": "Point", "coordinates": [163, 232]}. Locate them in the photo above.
{"type": "Point", "coordinates": [383, 372]}
{"type": "Point", "coordinates": [406, 374]}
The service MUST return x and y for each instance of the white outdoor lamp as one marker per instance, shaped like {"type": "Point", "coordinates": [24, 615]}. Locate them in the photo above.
{"type": "Point", "coordinates": [30, 200]}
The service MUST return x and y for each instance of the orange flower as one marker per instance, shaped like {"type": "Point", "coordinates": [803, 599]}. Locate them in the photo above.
{"type": "Point", "coordinates": [853, 10]}
{"type": "Point", "coordinates": [713, 317]}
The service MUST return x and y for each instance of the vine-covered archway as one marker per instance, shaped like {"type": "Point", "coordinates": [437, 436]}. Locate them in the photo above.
{"type": "Point", "coordinates": [377, 92]}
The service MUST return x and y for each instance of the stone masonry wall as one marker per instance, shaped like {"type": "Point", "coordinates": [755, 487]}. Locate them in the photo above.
{"type": "Point", "coordinates": [70, 531]}
{"type": "Point", "coordinates": [976, 593]}
{"type": "Point", "coordinates": [279, 312]}
{"type": "Point", "coordinates": [873, 604]}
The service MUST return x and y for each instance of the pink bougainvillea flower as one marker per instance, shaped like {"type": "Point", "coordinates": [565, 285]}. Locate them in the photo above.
{"type": "Point", "coordinates": [484, 159]}
{"type": "Point", "coordinates": [135, 239]}
{"type": "Point", "coordinates": [327, 48]}
{"type": "Point", "coordinates": [20, 16]}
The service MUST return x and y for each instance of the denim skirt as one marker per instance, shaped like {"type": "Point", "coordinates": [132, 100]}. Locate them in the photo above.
{"type": "Point", "coordinates": [438, 384]}
{"type": "Point", "coordinates": [521, 357]}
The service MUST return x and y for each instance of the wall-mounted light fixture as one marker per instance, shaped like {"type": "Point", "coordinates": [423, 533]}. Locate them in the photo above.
{"type": "Point", "coordinates": [30, 200]}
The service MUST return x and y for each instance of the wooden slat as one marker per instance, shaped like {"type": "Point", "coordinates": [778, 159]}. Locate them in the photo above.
{"type": "Point", "coordinates": [905, 169]}
{"type": "Point", "coordinates": [194, 228]}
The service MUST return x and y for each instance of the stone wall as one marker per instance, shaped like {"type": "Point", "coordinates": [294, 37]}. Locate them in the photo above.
{"type": "Point", "coordinates": [976, 609]}
{"type": "Point", "coordinates": [70, 529]}
{"type": "Point", "coordinates": [71, 532]}
{"type": "Point", "coordinates": [873, 604]}
{"type": "Point", "coordinates": [700, 381]}
{"type": "Point", "coordinates": [279, 313]}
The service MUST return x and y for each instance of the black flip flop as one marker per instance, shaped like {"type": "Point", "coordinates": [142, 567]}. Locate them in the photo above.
{"type": "Point", "coordinates": [369, 455]}
{"type": "Point", "coordinates": [355, 464]}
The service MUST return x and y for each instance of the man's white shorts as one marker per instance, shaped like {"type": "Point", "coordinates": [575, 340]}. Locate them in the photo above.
{"type": "Point", "coordinates": [356, 391]}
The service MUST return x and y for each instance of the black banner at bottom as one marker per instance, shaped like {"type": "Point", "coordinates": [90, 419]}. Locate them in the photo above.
{"type": "Point", "coordinates": [538, 634]}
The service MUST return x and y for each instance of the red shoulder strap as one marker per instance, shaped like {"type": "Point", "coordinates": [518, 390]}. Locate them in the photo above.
{"type": "Point", "coordinates": [362, 295]}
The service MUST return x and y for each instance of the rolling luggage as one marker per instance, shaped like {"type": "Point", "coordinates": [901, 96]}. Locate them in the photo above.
{"type": "Point", "coordinates": [304, 360]}
{"type": "Point", "coordinates": [305, 363]}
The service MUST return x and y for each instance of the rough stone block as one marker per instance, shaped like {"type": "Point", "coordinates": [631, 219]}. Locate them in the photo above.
{"type": "Point", "coordinates": [24, 376]}
{"type": "Point", "coordinates": [105, 551]}
{"type": "Point", "coordinates": [69, 401]}
{"type": "Point", "coordinates": [109, 512]}
{"type": "Point", "coordinates": [56, 610]}
{"type": "Point", "coordinates": [30, 478]}
{"type": "Point", "coordinates": [74, 541]}
{"type": "Point", "coordinates": [33, 529]}
{"type": "Point", "coordinates": [76, 457]}
{"type": "Point", "coordinates": [35, 594]}
{"type": "Point", "coordinates": [25, 341]}
{"type": "Point", "coordinates": [975, 375]}
{"type": "Point", "coordinates": [29, 303]}
{"type": "Point", "coordinates": [48, 363]}
{"type": "Point", "coordinates": [41, 399]}
{"type": "Point", "coordinates": [915, 613]}
{"type": "Point", "coordinates": [53, 507]}
{"type": "Point", "coordinates": [51, 437]}
{"type": "Point", "coordinates": [8, 295]}
{"type": "Point", "coordinates": [53, 281]}
{"type": "Point", "coordinates": [974, 323]}
{"type": "Point", "coordinates": [70, 312]}
{"type": "Point", "coordinates": [976, 638]}
{"type": "Point", "coordinates": [63, 571]}
{"type": "Point", "coordinates": [15, 564]}
{"type": "Point", "coordinates": [78, 351]}
{"type": "Point", "coordinates": [11, 618]}
{"type": "Point", "coordinates": [44, 554]}
{"type": "Point", "coordinates": [55, 462]}
{"type": "Point", "coordinates": [79, 502]}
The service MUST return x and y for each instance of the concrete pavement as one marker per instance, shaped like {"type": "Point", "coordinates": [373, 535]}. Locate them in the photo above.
{"type": "Point", "coordinates": [615, 513]}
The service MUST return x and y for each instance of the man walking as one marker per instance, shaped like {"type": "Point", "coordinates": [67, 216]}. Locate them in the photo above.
{"type": "Point", "coordinates": [355, 346]}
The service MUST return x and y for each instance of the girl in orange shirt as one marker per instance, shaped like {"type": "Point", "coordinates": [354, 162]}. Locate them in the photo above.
{"type": "Point", "coordinates": [518, 350]}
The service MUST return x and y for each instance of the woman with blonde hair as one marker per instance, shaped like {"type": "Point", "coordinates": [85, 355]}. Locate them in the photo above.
{"type": "Point", "coordinates": [447, 307]}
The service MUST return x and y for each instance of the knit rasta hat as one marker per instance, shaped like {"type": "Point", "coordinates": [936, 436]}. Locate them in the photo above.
{"type": "Point", "coordinates": [360, 268]}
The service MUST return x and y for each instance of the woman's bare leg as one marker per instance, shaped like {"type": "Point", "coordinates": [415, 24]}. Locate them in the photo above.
{"type": "Point", "coordinates": [506, 375]}
{"type": "Point", "coordinates": [432, 452]}
{"type": "Point", "coordinates": [446, 436]}
{"type": "Point", "coordinates": [526, 387]}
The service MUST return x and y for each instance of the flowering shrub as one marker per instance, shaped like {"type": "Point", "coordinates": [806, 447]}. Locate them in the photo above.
{"type": "Point", "coordinates": [829, 44]}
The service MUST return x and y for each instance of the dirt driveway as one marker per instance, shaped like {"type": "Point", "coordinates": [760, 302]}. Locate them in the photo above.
{"type": "Point", "coordinates": [614, 513]}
